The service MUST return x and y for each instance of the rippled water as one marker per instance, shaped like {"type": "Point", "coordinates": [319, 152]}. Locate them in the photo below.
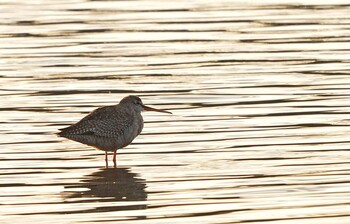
{"type": "Point", "coordinates": [259, 92]}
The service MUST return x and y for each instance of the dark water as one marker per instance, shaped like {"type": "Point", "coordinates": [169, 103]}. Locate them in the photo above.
{"type": "Point", "coordinates": [259, 92]}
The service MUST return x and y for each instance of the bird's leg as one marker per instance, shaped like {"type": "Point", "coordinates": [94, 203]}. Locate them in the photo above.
{"type": "Point", "coordinates": [106, 159]}
{"type": "Point", "coordinates": [115, 158]}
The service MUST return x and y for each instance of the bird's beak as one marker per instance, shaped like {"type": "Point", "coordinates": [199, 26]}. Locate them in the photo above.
{"type": "Point", "coordinates": [154, 109]}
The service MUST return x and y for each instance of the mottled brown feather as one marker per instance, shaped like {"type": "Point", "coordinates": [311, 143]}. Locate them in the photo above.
{"type": "Point", "coordinates": [107, 128]}
{"type": "Point", "coordinates": [109, 121]}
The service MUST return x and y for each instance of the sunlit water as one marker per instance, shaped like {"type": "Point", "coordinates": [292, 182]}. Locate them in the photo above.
{"type": "Point", "coordinates": [259, 92]}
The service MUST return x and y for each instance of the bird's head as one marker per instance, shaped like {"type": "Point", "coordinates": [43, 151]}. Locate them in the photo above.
{"type": "Point", "coordinates": [136, 103]}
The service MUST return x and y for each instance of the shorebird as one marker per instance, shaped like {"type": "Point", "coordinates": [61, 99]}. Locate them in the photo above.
{"type": "Point", "coordinates": [110, 128]}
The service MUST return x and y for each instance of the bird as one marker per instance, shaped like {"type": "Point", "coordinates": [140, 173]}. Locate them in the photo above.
{"type": "Point", "coordinates": [110, 128]}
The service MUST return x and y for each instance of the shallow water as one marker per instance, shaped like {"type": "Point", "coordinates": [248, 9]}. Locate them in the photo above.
{"type": "Point", "coordinates": [259, 94]}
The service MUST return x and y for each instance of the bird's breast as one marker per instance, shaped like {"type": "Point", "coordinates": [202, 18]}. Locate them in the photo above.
{"type": "Point", "coordinates": [133, 130]}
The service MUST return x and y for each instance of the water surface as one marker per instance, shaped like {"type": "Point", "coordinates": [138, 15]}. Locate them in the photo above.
{"type": "Point", "coordinates": [259, 94]}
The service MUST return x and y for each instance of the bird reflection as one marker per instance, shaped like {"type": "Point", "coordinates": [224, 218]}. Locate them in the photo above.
{"type": "Point", "coordinates": [109, 185]}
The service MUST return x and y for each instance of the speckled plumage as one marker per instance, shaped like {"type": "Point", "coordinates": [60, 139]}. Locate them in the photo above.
{"type": "Point", "coordinates": [111, 127]}
{"type": "Point", "coordinates": [107, 128]}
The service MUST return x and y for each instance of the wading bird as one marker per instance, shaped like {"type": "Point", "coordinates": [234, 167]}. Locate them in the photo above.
{"type": "Point", "coordinates": [110, 128]}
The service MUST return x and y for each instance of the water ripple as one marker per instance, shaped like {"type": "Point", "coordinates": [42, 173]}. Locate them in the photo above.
{"type": "Point", "coordinates": [259, 93]}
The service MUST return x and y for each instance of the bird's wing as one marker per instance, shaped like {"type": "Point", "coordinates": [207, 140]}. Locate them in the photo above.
{"type": "Point", "coordinates": [109, 121]}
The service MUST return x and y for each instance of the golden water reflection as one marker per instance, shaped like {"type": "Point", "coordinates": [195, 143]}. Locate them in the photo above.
{"type": "Point", "coordinates": [259, 92]}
